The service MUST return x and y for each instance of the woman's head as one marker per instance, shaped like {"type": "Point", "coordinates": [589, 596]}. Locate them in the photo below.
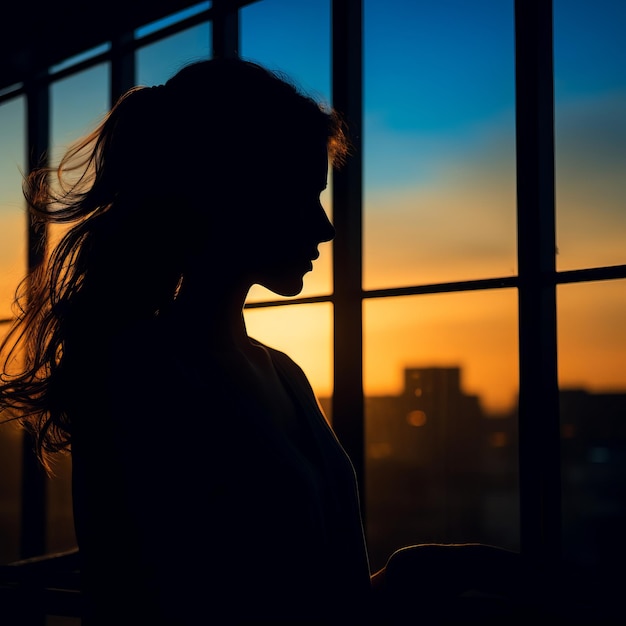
{"type": "Point", "coordinates": [173, 167]}
{"type": "Point", "coordinates": [258, 149]}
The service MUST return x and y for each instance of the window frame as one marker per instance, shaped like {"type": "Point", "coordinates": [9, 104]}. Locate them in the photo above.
{"type": "Point", "coordinates": [536, 282]}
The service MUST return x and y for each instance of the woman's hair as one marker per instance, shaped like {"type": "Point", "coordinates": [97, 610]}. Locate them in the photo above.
{"type": "Point", "coordinates": [136, 196]}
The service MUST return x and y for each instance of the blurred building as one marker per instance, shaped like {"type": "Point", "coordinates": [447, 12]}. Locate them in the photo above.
{"type": "Point", "coordinates": [439, 469]}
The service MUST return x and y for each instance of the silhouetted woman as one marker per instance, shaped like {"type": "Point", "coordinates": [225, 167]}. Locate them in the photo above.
{"type": "Point", "coordinates": [208, 487]}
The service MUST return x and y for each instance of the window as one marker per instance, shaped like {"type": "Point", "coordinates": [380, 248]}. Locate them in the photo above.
{"type": "Point", "coordinates": [476, 377]}
{"type": "Point", "coordinates": [13, 262]}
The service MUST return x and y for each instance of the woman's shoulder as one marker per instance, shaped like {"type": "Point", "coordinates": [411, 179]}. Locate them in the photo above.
{"type": "Point", "coordinates": [279, 357]}
{"type": "Point", "coordinates": [292, 373]}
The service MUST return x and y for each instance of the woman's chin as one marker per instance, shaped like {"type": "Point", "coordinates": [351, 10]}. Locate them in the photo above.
{"type": "Point", "coordinates": [286, 287]}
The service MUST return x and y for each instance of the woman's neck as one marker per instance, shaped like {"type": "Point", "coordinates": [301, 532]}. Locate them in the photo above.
{"type": "Point", "coordinates": [212, 318]}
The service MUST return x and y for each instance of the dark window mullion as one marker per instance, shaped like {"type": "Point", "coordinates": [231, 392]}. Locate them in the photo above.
{"type": "Point", "coordinates": [225, 25]}
{"type": "Point", "coordinates": [539, 437]}
{"type": "Point", "coordinates": [123, 66]}
{"type": "Point", "coordinates": [347, 98]}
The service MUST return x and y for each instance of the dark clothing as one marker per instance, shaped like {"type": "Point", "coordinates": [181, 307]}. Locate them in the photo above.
{"type": "Point", "coordinates": [192, 511]}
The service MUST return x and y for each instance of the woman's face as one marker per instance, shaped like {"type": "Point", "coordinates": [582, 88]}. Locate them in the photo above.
{"type": "Point", "coordinates": [286, 222]}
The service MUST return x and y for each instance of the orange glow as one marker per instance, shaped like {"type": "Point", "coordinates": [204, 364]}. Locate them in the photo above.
{"type": "Point", "coordinates": [498, 440]}
{"type": "Point", "coordinates": [474, 331]}
{"type": "Point", "coordinates": [592, 335]}
{"type": "Point", "coordinates": [379, 450]}
{"type": "Point", "coordinates": [12, 257]}
{"type": "Point", "coordinates": [416, 418]}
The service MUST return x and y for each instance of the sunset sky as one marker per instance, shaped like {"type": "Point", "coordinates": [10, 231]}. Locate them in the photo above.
{"type": "Point", "coordinates": [439, 197]}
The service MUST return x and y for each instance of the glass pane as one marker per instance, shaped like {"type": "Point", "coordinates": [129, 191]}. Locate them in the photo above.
{"type": "Point", "coordinates": [439, 141]}
{"type": "Point", "coordinates": [13, 260]}
{"type": "Point", "coordinates": [302, 331]}
{"type": "Point", "coordinates": [592, 376]}
{"type": "Point", "coordinates": [294, 38]}
{"type": "Point", "coordinates": [592, 335]}
{"type": "Point", "coordinates": [441, 376]}
{"type": "Point", "coordinates": [13, 223]}
{"type": "Point", "coordinates": [590, 132]}
{"type": "Point", "coordinates": [77, 104]}
{"type": "Point", "coordinates": [159, 61]}
{"type": "Point", "coordinates": [291, 37]}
